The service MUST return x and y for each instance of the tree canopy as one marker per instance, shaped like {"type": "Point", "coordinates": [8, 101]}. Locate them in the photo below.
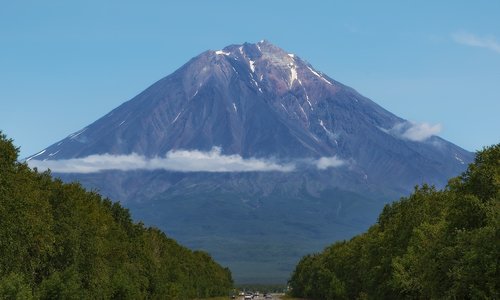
{"type": "Point", "coordinates": [429, 245]}
{"type": "Point", "coordinates": [59, 241]}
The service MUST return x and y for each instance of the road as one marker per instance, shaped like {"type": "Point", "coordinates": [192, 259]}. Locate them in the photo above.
{"type": "Point", "coordinates": [261, 297]}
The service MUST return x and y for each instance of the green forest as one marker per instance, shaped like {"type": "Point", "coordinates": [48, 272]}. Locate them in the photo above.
{"type": "Point", "coordinates": [59, 241]}
{"type": "Point", "coordinates": [430, 245]}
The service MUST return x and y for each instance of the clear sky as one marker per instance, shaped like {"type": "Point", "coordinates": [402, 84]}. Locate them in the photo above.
{"type": "Point", "coordinates": [64, 64]}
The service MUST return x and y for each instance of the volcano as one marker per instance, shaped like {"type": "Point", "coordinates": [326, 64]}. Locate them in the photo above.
{"type": "Point", "coordinates": [254, 156]}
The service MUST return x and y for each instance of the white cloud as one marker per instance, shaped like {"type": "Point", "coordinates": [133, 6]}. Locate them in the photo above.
{"type": "Point", "coordinates": [417, 132]}
{"type": "Point", "coordinates": [324, 163]}
{"type": "Point", "coordinates": [469, 39]}
{"type": "Point", "coordinates": [181, 160]}
{"type": "Point", "coordinates": [421, 132]}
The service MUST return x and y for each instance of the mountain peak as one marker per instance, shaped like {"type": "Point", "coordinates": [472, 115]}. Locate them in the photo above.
{"type": "Point", "coordinates": [263, 46]}
{"type": "Point", "coordinates": [273, 66]}
{"type": "Point", "coordinates": [260, 50]}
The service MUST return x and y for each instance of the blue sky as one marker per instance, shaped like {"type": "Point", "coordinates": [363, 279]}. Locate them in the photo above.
{"type": "Point", "coordinates": [64, 64]}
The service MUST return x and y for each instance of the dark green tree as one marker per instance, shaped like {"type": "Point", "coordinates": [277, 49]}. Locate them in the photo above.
{"type": "Point", "coordinates": [59, 241]}
{"type": "Point", "coordinates": [430, 245]}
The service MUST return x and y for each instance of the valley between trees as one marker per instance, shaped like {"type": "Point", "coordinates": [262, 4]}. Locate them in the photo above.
{"type": "Point", "coordinates": [58, 241]}
{"type": "Point", "coordinates": [430, 245]}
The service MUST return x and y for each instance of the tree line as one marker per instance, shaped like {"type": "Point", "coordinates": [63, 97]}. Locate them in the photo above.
{"type": "Point", "coordinates": [59, 241]}
{"type": "Point", "coordinates": [430, 245]}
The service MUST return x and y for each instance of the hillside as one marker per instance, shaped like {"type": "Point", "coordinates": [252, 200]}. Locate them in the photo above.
{"type": "Point", "coordinates": [59, 241]}
{"type": "Point", "coordinates": [430, 245]}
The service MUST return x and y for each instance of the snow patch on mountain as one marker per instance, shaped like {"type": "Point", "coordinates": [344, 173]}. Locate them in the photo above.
{"type": "Point", "coordinates": [176, 117]}
{"type": "Point", "coordinates": [54, 153]}
{"type": "Point", "coordinates": [461, 161]}
{"type": "Point", "coordinates": [319, 76]}
{"type": "Point", "coordinates": [76, 134]}
{"type": "Point", "coordinates": [220, 52]}
{"type": "Point", "coordinates": [293, 74]}
{"type": "Point", "coordinates": [38, 154]}
{"type": "Point", "coordinates": [251, 63]}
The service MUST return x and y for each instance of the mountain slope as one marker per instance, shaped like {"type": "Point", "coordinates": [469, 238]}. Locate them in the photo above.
{"type": "Point", "coordinates": [266, 110]}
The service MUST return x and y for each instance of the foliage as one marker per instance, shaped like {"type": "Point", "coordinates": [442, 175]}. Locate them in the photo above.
{"type": "Point", "coordinates": [430, 245]}
{"type": "Point", "coordinates": [58, 241]}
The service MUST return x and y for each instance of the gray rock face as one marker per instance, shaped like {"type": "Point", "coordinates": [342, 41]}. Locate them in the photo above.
{"type": "Point", "coordinates": [258, 101]}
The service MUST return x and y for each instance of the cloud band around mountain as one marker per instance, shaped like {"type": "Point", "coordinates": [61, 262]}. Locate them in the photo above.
{"type": "Point", "coordinates": [179, 160]}
{"type": "Point", "coordinates": [324, 163]}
